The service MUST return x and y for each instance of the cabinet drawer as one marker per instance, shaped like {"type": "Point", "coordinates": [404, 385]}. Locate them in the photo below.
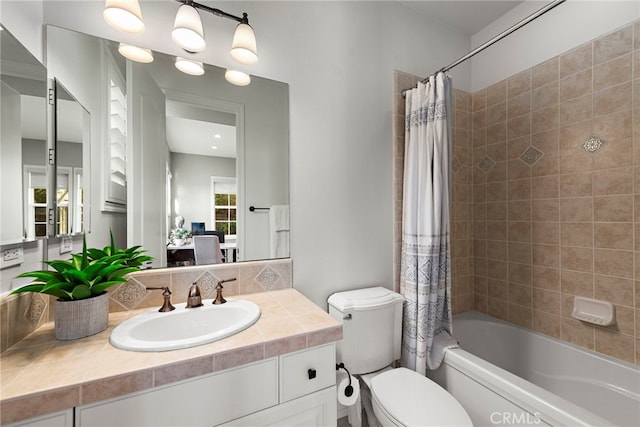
{"type": "Point", "coordinates": [306, 371]}
{"type": "Point", "coordinates": [203, 401]}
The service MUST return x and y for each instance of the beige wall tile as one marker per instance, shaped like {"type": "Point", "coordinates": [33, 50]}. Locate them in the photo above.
{"type": "Point", "coordinates": [546, 255]}
{"type": "Point", "coordinates": [518, 126]}
{"type": "Point", "coordinates": [613, 235]}
{"type": "Point", "coordinates": [576, 234]}
{"type": "Point", "coordinates": [497, 113]}
{"type": "Point", "coordinates": [498, 308]}
{"type": "Point", "coordinates": [517, 146]}
{"type": "Point", "coordinates": [576, 85]}
{"type": "Point", "coordinates": [520, 274]}
{"type": "Point", "coordinates": [520, 315]}
{"type": "Point", "coordinates": [578, 209]}
{"type": "Point", "coordinates": [576, 110]}
{"type": "Point", "coordinates": [545, 72]}
{"type": "Point", "coordinates": [496, 93]}
{"type": "Point", "coordinates": [545, 187]}
{"type": "Point", "coordinates": [545, 209]}
{"type": "Point", "coordinates": [546, 301]}
{"type": "Point", "coordinates": [615, 344]}
{"type": "Point", "coordinates": [613, 208]}
{"type": "Point", "coordinates": [576, 259]}
{"type": "Point", "coordinates": [519, 105]}
{"type": "Point", "coordinates": [545, 96]}
{"type": "Point", "coordinates": [577, 332]}
{"type": "Point", "coordinates": [546, 323]}
{"type": "Point", "coordinates": [613, 72]}
{"type": "Point", "coordinates": [613, 263]}
{"type": "Point", "coordinates": [545, 232]}
{"type": "Point", "coordinates": [518, 84]}
{"type": "Point", "coordinates": [573, 135]}
{"type": "Point", "coordinates": [576, 60]}
{"type": "Point", "coordinates": [520, 252]}
{"type": "Point", "coordinates": [497, 132]}
{"type": "Point", "coordinates": [546, 278]}
{"type": "Point", "coordinates": [496, 249]}
{"type": "Point", "coordinates": [613, 181]}
{"type": "Point", "coordinates": [519, 210]}
{"type": "Point", "coordinates": [519, 189]}
{"type": "Point", "coordinates": [496, 211]}
{"type": "Point", "coordinates": [610, 100]}
{"type": "Point", "coordinates": [498, 289]}
{"type": "Point", "coordinates": [578, 185]}
{"type": "Point", "coordinates": [614, 289]}
{"type": "Point", "coordinates": [544, 119]}
{"type": "Point", "coordinates": [613, 45]}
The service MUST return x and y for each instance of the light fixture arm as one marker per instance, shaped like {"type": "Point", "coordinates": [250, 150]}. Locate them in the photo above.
{"type": "Point", "coordinates": [243, 20]}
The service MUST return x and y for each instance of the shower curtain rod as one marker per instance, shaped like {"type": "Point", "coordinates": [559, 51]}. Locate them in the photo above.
{"type": "Point", "coordinates": [497, 38]}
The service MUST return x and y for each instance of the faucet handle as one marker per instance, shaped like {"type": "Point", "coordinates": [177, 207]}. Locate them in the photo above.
{"type": "Point", "coordinates": [194, 299]}
{"type": "Point", "coordinates": [219, 298]}
{"type": "Point", "coordinates": [166, 293]}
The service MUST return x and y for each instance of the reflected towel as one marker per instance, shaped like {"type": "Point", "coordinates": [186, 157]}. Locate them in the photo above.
{"type": "Point", "coordinates": [279, 230]}
{"type": "Point", "coordinates": [441, 342]}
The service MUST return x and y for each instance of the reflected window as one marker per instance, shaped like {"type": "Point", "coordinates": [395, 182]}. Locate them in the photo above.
{"type": "Point", "coordinates": [224, 205]}
{"type": "Point", "coordinates": [36, 201]}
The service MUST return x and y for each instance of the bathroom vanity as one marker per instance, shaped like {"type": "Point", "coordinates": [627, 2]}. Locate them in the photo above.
{"type": "Point", "coordinates": [279, 371]}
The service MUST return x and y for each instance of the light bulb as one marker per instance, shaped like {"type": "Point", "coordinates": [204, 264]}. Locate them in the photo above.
{"type": "Point", "coordinates": [135, 53]}
{"type": "Point", "coordinates": [243, 47]}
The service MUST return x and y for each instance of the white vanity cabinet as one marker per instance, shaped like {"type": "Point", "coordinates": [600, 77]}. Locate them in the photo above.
{"type": "Point", "coordinates": [293, 389]}
{"type": "Point", "coordinates": [56, 419]}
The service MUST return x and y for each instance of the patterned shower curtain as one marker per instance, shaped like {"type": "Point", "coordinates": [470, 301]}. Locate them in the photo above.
{"type": "Point", "coordinates": [425, 278]}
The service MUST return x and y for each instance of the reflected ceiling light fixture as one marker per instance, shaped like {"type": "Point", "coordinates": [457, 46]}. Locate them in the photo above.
{"type": "Point", "coordinates": [135, 53]}
{"type": "Point", "coordinates": [124, 15]}
{"type": "Point", "coordinates": [188, 66]}
{"type": "Point", "coordinates": [237, 78]}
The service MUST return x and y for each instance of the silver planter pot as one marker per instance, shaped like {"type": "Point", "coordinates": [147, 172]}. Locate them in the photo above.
{"type": "Point", "coordinates": [81, 318]}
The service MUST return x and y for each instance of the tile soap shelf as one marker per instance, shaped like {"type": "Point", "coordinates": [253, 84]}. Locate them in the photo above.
{"type": "Point", "coordinates": [601, 313]}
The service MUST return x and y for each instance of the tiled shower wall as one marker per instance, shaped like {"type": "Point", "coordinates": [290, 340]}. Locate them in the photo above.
{"type": "Point", "coordinates": [546, 193]}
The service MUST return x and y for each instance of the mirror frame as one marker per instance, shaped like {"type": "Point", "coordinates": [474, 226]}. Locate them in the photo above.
{"type": "Point", "coordinates": [83, 226]}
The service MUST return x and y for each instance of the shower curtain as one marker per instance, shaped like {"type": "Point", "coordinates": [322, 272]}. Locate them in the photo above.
{"type": "Point", "coordinates": [425, 277]}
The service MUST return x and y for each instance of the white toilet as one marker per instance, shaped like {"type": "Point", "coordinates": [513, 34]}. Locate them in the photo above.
{"type": "Point", "coordinates": [372, 331]}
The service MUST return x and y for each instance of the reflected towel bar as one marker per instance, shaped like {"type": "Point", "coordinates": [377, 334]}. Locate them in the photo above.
{"type": "Point", "coordinates": [253, 208]}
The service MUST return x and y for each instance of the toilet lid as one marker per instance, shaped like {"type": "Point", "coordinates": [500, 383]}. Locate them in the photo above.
{"type": "Point", "coordinates": [414, 400]}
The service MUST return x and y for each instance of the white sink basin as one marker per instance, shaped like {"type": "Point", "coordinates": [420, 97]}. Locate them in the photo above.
{"type": "Point", "coordinates": [184, 327]}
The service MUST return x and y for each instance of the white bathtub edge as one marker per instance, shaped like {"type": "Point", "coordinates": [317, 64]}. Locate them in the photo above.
{"type": "Point", "coordinates": [547, 406]}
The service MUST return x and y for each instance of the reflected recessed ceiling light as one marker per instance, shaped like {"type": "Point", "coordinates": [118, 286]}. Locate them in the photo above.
{"type": "Point", "coordinates": [213, 147]}
{"type": "Point", "coordinates": [237, 78]}
{"type": "Point", "coordinates": [135, 53]}
{"type": "Point", "coordinates": [195, 68]}
{"type": "Point", "coordinates": [124, 15]}
{"type": "Point", "coordinates": [217, 136]}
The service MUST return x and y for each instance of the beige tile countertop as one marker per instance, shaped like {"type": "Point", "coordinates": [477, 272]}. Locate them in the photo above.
{"type": "Point", "coordinates": [40, 375]}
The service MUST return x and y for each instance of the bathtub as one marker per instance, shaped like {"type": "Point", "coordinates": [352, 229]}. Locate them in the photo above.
{"type": "Point", "coordinates": [507, 375]}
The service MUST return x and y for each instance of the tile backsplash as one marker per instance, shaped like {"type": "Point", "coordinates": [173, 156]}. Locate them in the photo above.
{"type": "Point", "coordinates": [23, 313]}
{"type": "Point", "coordinates": [546, 193]}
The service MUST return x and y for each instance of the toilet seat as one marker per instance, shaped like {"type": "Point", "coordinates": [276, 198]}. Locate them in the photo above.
{"type": "Point", "coordinates": [402, 397]}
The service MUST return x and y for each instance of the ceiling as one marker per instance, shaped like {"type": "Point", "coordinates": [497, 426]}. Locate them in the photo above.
{"type": "Point", "coordinates": [469, 16]}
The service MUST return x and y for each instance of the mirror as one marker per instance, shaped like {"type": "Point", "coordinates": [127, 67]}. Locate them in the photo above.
{"type": "Point", "coordinates": [211, 188]}
{"type": "Point", "coordinates": [23, 143]}
{"type": "Point", "coordinates": [72, 136]}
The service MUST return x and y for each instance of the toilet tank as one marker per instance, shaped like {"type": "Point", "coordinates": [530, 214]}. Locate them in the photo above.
{"type": "Point", "coordinates": [371, 328]}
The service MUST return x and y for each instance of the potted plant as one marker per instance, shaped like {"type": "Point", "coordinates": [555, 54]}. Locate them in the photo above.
{"type": "Point", "coordinates": [80, 287]}
{"type": "Point", "coordinates": [180, 236]}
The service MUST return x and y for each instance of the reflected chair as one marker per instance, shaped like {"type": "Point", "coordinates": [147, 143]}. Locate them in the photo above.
{"type": "Point", "coordinates": [206, 250]}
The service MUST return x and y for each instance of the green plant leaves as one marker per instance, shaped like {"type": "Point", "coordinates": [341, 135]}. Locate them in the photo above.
{"type": "Point", "coordinates": [86, 274]}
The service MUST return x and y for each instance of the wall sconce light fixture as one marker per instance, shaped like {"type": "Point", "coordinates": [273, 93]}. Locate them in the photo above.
{"type": "Point", "coordinates": [188, 33]}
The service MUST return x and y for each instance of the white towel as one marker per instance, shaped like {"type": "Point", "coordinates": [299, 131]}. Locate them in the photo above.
{"type": "Point", "coordinates": [279, 230]}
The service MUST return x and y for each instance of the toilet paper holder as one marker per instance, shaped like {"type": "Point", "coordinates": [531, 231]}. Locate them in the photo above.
{"type": "Point", "coordinates": [349, 390]}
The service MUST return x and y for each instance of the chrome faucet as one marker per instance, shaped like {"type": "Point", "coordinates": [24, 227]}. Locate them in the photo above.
{"type": "Point", "coordinates": [166, 293]}
{"type": "Point", "coordinates": [219, 298]}
{"type": "Point", "coordinates": [194, 299]}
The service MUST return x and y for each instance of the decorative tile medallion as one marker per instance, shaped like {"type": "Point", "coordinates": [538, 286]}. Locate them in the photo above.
{"type": "Point", "coordinates": [592, 144]}
{"type": "Point", "coordinates": [36, 309]}
{"type": "Point", "coordinates": [531, 155]}
{"type": "Point", "coordinates": [486, 164]}
{"type": "Point", "coordinates": [130, 294]}
{"type": "Point", "coordinates": [456, 164]}
{"type": "Point", "coordinates": [268, 277]}
{"type": "Point", "coordinates": [207, 284]}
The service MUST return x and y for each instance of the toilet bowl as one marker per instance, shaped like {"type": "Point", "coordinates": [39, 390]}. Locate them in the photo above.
{"type": "Point", "coordinates": [401, 397]}
{"type": "Point", "coordinates": [372, 328]}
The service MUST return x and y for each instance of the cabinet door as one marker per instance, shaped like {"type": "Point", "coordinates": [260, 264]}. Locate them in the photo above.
{"type": "Point", "coordinates": [57, 419]}
{"type": "Point", "coordinates": [316, 409]}
{"type": "Point", "coordinates": [306, 371]}
{"type": "Point", "coordinates": [203, 401]}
